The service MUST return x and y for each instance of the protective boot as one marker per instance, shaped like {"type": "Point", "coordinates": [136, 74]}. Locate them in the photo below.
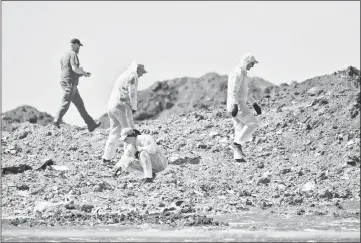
{"type": "Point", "coordinates": [238, 154]}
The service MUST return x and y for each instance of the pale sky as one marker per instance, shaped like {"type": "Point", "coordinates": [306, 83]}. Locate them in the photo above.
{"type": "Point", "coordinates": [291, 40]}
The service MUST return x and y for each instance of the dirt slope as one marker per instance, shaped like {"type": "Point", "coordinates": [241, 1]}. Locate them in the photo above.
{"type": "Point", "coordinates": [304, 159]}
{"type": "Point", "coordinates": [11, 119]}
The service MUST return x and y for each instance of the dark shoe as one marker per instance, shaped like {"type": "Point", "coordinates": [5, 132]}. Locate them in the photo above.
{"type": "Point", "coordinates": [147, 180]}
{"type": "Point", "coordinates": [56, 124]}
{"type": "Point", "coordinates": [92, 127]}
{"type": "Point", "coordinates": [106, 161]}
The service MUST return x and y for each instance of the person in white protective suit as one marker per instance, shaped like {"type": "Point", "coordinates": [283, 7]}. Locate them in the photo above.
{"type": "Point", "coordinates": [245, 123]}
{"type": "Point", "coordinates": [141, 153]}
{"type": "Point", "coordinates": [121, 106]}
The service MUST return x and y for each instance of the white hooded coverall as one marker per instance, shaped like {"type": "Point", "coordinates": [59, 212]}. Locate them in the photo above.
{"type": "Point", "coordinates": [245, 123]}
{"type": "Point", "coordinates": [122, 100]}
{"type": "Point", "coordinates": [151, 156]}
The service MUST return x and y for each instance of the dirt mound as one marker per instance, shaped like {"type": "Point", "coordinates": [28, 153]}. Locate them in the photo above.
{"type": "Point", "coordinates": [180, 95]}
{"type": "Point", "coordinates": [11, 119]}
{"type": "Point", "coordinates": [303, 159]}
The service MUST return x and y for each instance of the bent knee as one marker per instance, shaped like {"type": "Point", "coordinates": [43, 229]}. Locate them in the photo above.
{"type": "Point", "coordinates": [253, 123]}
{"type": "Point", "coordinates": [144, 154]}
{"type": "Point", "coordinates": [67, 98]}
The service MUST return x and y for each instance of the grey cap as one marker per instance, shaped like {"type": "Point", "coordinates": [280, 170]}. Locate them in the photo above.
{"type": "Point", "coordinates": [76, 41]}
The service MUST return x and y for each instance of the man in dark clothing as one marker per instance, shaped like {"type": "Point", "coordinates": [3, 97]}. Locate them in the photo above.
{"type": "Point", "coordinates": [70, 73]}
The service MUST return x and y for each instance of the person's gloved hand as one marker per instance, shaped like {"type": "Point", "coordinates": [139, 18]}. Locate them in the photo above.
{"type": "Point", "coordinates": [137, 154]}
{"type": "Point", "coordinates": [115, 173]}
{"type": "Point", "coordinates": [257, 108]}
{"type": "Point", "coordinates": [235, 110]}
{"type": "Point", "coordinates": [133, 111]}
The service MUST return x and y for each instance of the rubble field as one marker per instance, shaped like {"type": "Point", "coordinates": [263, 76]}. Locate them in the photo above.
{"type": "Point", "coordinates": [304, 159]}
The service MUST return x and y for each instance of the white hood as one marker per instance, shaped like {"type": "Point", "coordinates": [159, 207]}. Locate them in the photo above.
{"type": "Point", "coordinates": [246, 59]}
{"type": "Point", "coordinates": [133, 67]}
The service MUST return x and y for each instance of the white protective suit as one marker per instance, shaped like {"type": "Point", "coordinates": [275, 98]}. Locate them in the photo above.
{"type": "Point", "coordinates": [245, 123]}
{"type": "Point", "coordinates": [122, 100]}
{"type": "Point", "coordinates": [151, 156]}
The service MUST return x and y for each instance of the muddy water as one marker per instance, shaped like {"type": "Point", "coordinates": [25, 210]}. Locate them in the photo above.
{"type": "Point", "coordinates": [265, 221]}
{"type": "Point", "coordinates": [242, 227]}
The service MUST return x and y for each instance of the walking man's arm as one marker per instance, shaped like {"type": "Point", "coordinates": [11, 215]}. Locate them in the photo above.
{"type": "Point", "coordinates": [74, 61]}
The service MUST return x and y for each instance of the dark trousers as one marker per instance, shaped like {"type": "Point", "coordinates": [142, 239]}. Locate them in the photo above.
{"type": "Point", "coordinates": [71, 94]}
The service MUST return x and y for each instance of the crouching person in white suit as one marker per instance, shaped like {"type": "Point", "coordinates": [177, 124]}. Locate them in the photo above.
{"type": "Point", "coordinates": [141, 153]}
{"type": "Point", "coordinates": [121, 106]}
{"type": "Point", "coordinates": [245, 123]}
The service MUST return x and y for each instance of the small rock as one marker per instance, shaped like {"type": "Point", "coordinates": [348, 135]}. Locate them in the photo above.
{"type": "Point", "coordinates": [249, 202]}
{"type": "Point", "coordinates": [86, 208]}
{"type": "Point", "coordinates": [178, 203]}
{"type": "Point", "coordinates": [159, 140]}
{"type": "Point", "coordinates": [252, 228]}
{"type": "Point", "coordinates": [325, 193]}
{"type": "Point", "coordinates": [313, 91]}
{"type": "Point", "coordinates": [213, 134]}
{"type": "Point", "coordinates": [260, 165]}
{"type": "Point", "coordinates": [208, 208]}
{"type": "Point", "coordinates": [42, 205]}
{"type": "Point", "coordinates": [50, 195]}
{"type": "Point", "coordinates": [297, 200]}
{"type": "Point", "coordinates": [199, 117]}
{"type": "Point", "coordinates": [98, 188]}
{"type": "Point", "coordinates": [202, 146]}
{"type": "Point", "coordinates": [323, 175]}
{"type": "Point", "coordinates": [281, 187]}
{"type": "Point", "coordinates": [72, 192]}
{"type": "Point", "coordinates": [266, 178]}
{"type": "Point", "coordinates": [23, 134]}
{"type": "Point", "coordinates": [300, 211]}
{"type": "Point", "coordinates": [169, 209]}
{"type": "Point", "coordinates": [70, 206]}
{"type": "Point", "coordinates": [323, 101]}
{"type": "Point", "coordinates": [59, 167]}
{"type": "Point", "coordinates": [353, 160]}
{"type": "Point", "coordinates": [309, 186]}
{"type": "Point", "coordinates": [266, 204]}
{"type": "Point", "coordinates": [23, 188]}
{"type": "Point", "coordinates": [73, 148]}
{"type": "Point", "coordinates": [285, 171]}
{"type": "Point", "coordinates": [223, 141]}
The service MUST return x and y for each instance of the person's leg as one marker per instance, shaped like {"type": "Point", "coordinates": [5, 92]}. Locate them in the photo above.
{"type": "Point", "coordinates": [135, 166]}
{"type": "Point", "coordinates": [146, 163]}
{"type": "Point", "coordinates": [123, 114]}
{"type": "Point", "coordinates": [236, 146]}
{"type": "Point", "coordinates": [68, 94]}
{"type": "Point", "coordinates": [250, 125]}
{"type": "Point", "coordinates": [129, 116]}
{"type": "Point", "coordinates": [159, 162]}
{"type": "Point", "coordinates": [238, 125]}
{"type": "Point", "coordinates": [78, 102]}
{"type": "Point", "coordinates": [114, 134]}
{"type": "Point", "coordinates": [244, 125]}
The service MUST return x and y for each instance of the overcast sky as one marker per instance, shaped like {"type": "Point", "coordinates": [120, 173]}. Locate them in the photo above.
{"type": "Point", "coordinates": [291, 40]}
